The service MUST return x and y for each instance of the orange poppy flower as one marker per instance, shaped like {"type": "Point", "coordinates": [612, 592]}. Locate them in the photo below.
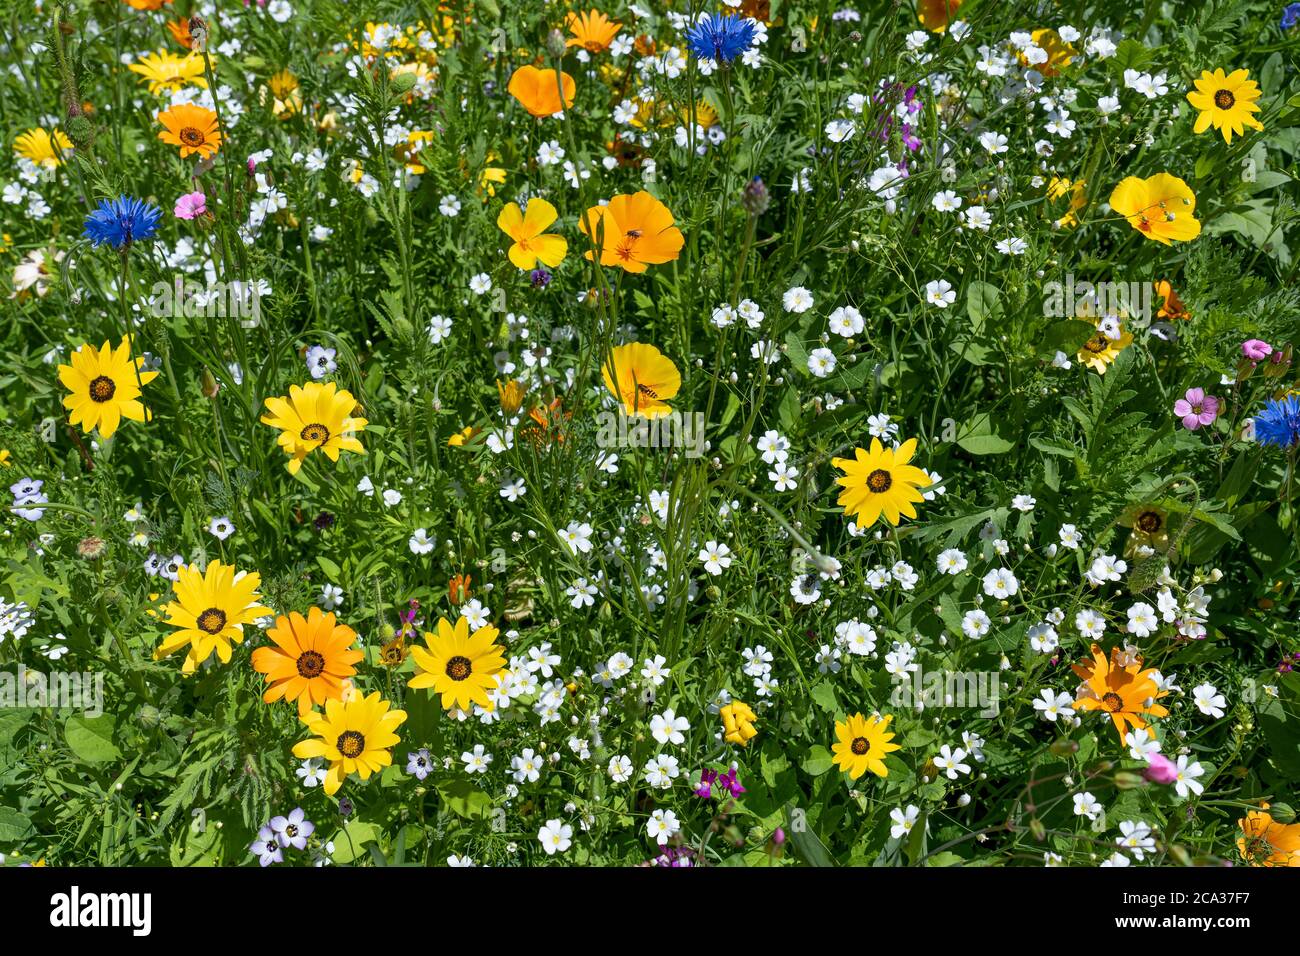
{"type": "Point", "coordinates": [1161, 207]}
{"type": "Point", "coordinates": [193, 128]}
{"type": "Point", "coordinates": [539, 90]}
{"type": "Point", "coordinates": [633, 232]}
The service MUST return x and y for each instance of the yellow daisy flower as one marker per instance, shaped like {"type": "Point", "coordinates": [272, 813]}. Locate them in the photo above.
{"type": "Point", "coordinates": [862, 745]}
{"type": "Point", "coordinates": [460, 666]}
{"type": "Point", "coordinates": [880, 481]}
{"type": "Point", "coordinates": [1100, 350]}
{"type": "Point", "coordinates": [355, 736]}
{"type": "Point", "coordinates": [43, 147]}
{"type": "Point", "coordinates": [315, 416]}
{"type": "Point", "coordinates": [105, 387]}
{"type": "Point", "coordinates": [1225, 102]}
{"type": "Point", "coordinates": [169, 73]}
{"type": "Point", "coordinates": [210, 611]}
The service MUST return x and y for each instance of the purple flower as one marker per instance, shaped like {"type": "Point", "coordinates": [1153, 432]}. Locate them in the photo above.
{"type": "Point", "coordinates": [731, 783]}
{"type": "Point", "coordinates": [190, 206]}
{"type": "Point", "coordinates": [293, 830]}
{"type": "Point", "coordinates": [418, 763]}
{"type": "Point", "coordinates": [1256, 350]}
{"type": "Point", "coordinates": [539, 278]}
{"type": "Point", "coordinates": [705, 789]}
{"type": "Point", "coordinates": [267, 847]}
{"type": "Point", "coordinates": [1197, 409]}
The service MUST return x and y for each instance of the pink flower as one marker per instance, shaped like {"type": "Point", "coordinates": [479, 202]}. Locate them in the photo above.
{"type": "Point", "coordinates": [1160, 769]}
{"type": "Point", "coordinates": [1197, 409]}
{"type": "Point", "coordinates": [191, 205]}
{"type": "Point", "coordinates": [1256, 350]}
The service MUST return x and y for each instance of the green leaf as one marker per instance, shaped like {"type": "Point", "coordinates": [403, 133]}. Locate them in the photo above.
{"type": "Point", "coordinates": [983, 302]}
{"type": "Point", "coordinates": [350, 842]}
{"type": "Point", "coordinates": [824, 695]}
{"type": "Point", "coordinates": [91, 738]}
{"type": "Point", "coordinates": [14, 826]}
{"type": "Point", "coordinates": [818, 761]}
{"type": "Point", "coordinates": [464, 799]}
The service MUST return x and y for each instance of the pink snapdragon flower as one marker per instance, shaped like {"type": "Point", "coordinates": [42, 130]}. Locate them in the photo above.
{"type": "Point", "coordinates": [1197, 409]}
{"type": "Point", "coordinates": [1160, 769]}
{"type": "Point", "coordinates": [191, 206]}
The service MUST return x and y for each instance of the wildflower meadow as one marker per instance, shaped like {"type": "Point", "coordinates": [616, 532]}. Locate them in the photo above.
{"type": "Point", "coordinates": [654, 433]}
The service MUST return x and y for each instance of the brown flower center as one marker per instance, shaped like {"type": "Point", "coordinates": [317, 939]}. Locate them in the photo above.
{"type": "Point", "coordinates": [1097, 344]}
{"type": "Point", "coordinates": [1112, 702]}
{"type": "Point", "coordinates": [1224, 99]}
{"type": "Point", "coordinates": [315, 432]}
{"type": "Point", "coordinates": [213, 620]}
{"type": "Point", "coordinates": [102, 389]}
{"type": "Point", "coordinates": [311, 664]}
{"type": "Point", "coordinates": [860, 745]}
{"type": "Point", "coordinates": [191, 137]}
{"type": "Point", "coordinates": [351, 744]}
{"type": "Point", "coordinates": [459, 668]}
{"type": "Point", "coordinates": [1149, 522]}
{"type": "Point", "coordinates": [880, 481]}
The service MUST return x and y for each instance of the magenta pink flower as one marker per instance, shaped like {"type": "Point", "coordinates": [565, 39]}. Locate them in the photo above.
{"type": "Point", "coordinates": [191, 205]}
{"type": "Point", "coordinates": [1256, 350]}
{"type": "Point", "coordinates": [1197, 409]}
{"type": "Point", "coordinates": [1160, 769]}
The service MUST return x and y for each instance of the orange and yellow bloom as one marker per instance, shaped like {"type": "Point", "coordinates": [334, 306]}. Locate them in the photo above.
{"type": "Point", "coordinates": [633, 232]}
{"type": "Point", "coordinates": [532, 243]}
{"type": "Point", "coordinates": [1161, 207]}
{"type": "Point", "coordinates": [539, 90]}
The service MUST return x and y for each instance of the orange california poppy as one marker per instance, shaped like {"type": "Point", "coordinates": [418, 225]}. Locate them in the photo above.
{"type": "Point", "coordinates": [539, 90]}
{"type": "Point", "coordinates": [1171, 305]}
{"type": "Point", "coordinates": [633, 232]}
{"type": "Point", "coordinates": [528, 230]}
{"type": "Point", "coordinates": [935, 15]}
{"type": "Point", "coordinates": [593, 31]}
{"type": "Point", "coordinates": [310, 659]}
{"type": "Point", "coordinates": [193, 128]}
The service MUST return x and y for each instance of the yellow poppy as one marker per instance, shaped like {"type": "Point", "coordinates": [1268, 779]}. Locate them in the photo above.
{"type": "Point", "coordinates": [1161, 207]}
{"type": "Point", "coordinates": [528, 230]}
{"type": "Point", "coordinates": [642, 378]}
{"type": "Point", "coordinates": [738, 723]}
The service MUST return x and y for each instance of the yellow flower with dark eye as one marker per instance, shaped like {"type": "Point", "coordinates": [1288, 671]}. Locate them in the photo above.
{"type": "Point", "coordinates": [315, 416]}
{"type": "Point", "coordinates": [43, 147]}
{"type": "Point", "coordinates": [168, 73]}
{"type": "Point", "coordinates": [355, 736]}
{"type": "Point", "coordinates": [105, 387]}
{"type": "Point", "coordinates": [642, 378]}
{"type": "Point", "coordinates": [528, 229]}
{"type": "Point", "coordinates": [1100, 350]}
{"type": "Point", "coordinates": [460, 666]}
{"type": "Point", "coordinates": [738, 723]}
{"type": "Point", "coordinates": [880, 481]}
{"type": "Point", "coordinates": [1226, 103]}
{"type": "Point", "coordinates": [193, 128]}
{"type": "Point", "coordinates": [1161, 207]}
{"type": "Point", "coordinates": [209, 612]}
{"type": "Point", "coordinates": [862, 743]}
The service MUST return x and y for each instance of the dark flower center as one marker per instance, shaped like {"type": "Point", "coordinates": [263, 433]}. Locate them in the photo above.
{"type": "Point", "coordinates": [213, 620]}
{"type": "Point", "coordinates": [1224, 99]}
{"type": "Point", "coordinates": [880, 481]}
{"type": "Point", "coordinates": [1149, 522]}
{"type": "Point", "coordinates": [860, 745]}
{"type": "Point", "coordinates": [459, 668]}
{"type": "Point", "coordinates": [1098, 343]}
{"type": "Point", "coordinates": [311, 664]}
{"type": "Point", "coordinates": [191, 137]}
{"type": "Point", "coordinates": [102, 389]}
{"type": "Point", "coordinates": [1113, 702]}
{"type": "Point", "coordinates": [315, 432]}
{"type": "Point", "coordinates": [351, 744]}
{"type": "Point", "coordinates": [291, 831]}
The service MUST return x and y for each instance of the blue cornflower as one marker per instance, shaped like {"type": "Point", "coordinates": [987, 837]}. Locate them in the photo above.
{"type": "Point", "coordinates": [720, 38]}
{"type": "Point", "coordinates": [122, 221]}
{"type": "Point", "coordinates": [1290, 15]}
{"type": "Point", "coordinates": [1279, 423]}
